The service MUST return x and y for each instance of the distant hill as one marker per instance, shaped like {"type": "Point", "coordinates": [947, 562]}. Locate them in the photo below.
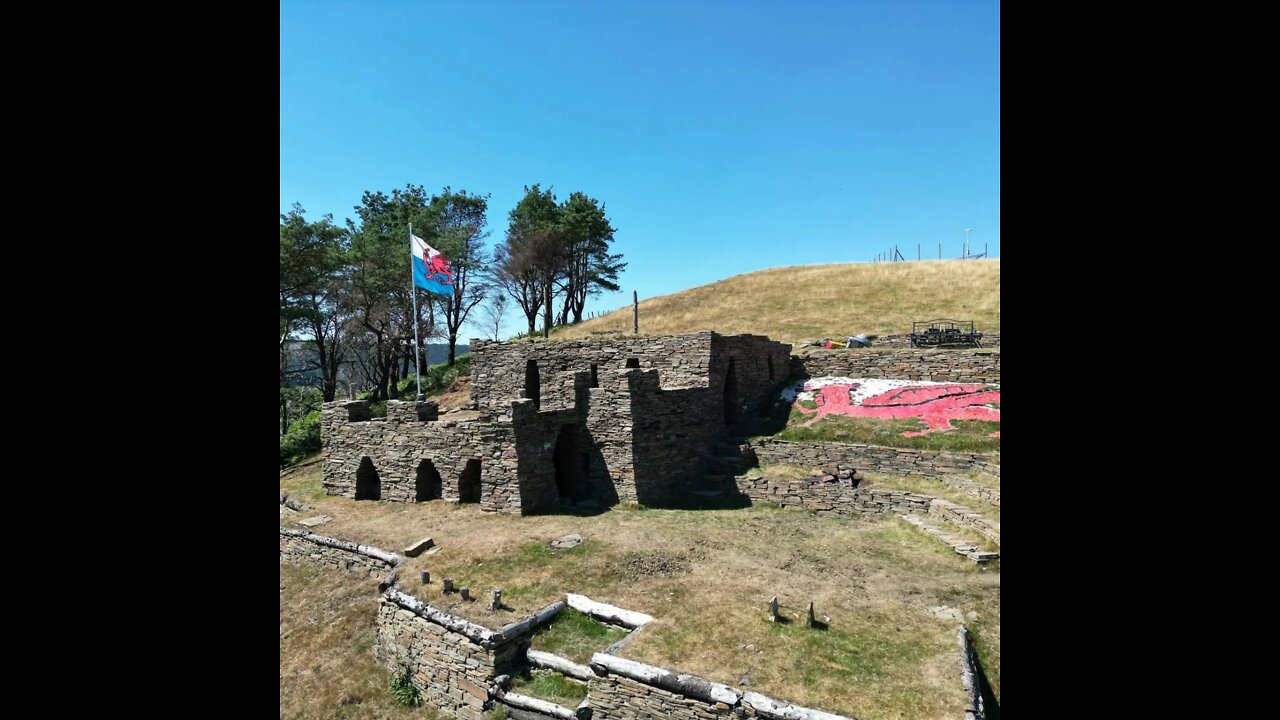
{"type": "Point", "coordinates": [812, 301]}
{"type": "Point", "coordinates": [436, 353]}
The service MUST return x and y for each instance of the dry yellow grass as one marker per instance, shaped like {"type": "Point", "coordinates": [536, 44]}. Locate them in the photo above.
{"type": "Point", "coordinates": [884, 655]}
{"type": "Point", "coordinates": [794, 303]}
{"type": "Point", "coordinates": [327, 670]}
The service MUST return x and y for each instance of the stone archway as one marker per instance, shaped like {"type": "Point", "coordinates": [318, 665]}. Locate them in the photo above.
{"type": "Point", "coordinates": [428, 484]}
{"type": "Point", "coordinates": [368, 484]}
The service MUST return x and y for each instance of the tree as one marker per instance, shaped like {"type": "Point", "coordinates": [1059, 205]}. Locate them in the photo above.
{"type": "Point", "coordinates": [378, 287]}
{"type": "Point", "coordinates": [533, 256]}
{"type": "Point", "coordinates": [312, 255]}
{"type": "Point", "coordinates": [458, 232]}
{"type": "Point", "coordinates": [493, 314]}
{"type": "Point", "coordinates": [589, 268]}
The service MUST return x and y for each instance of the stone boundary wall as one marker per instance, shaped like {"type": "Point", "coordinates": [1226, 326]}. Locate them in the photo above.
{"type": "Point", "coordinates": [832, 497]}
{"type": "Point", "coordinates": [972, 366]}
{"type": "Point", "coordinates": [989, 340]}
{"type": "Point", "coordinates": [981, 492]}
{"type": "Point", "coordinates": [901, 462]}
{"type": "Point", "coordinates": [304, 546]}
{"type": "Point", "coordinates": [964, 517]}
{"type": "Point", "coordinates": [629, 689]}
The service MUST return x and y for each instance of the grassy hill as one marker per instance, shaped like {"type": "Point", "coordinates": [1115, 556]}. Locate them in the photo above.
{"type": "Point", "coordinates": [791, 303]}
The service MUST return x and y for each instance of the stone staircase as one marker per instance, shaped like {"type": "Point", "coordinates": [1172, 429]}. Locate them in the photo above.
{"type": "Point", "coordinates": [731, 456]}
{"type": "Point", "coordinates": [957, 543]}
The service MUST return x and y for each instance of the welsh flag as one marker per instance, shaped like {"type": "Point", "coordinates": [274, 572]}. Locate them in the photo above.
{"type": "Point", "coordinates": [430, 269]}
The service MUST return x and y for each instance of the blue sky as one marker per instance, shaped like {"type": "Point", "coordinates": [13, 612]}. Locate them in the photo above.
{"type": "Point", "coordinates": [723, 137]}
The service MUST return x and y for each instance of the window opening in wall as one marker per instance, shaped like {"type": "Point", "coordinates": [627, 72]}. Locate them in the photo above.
{"type": "Point", "coordinates": [532, 388]}
{"type": "Point", "coordinates": [469, 482]}
{"type": "Point", "coordinates": [633, 362]}
{"type": "Point", "coordinates": [368, 484]}
{"type": "Point", "coordinates": [428, 484]}
{"type": "Point", "coordinates": [595, 380]}
{"type": "Point", "coordinates": [731, 409]}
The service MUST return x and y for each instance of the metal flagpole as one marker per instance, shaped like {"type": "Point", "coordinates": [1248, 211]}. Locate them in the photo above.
{"type": "Point", "coordinates": [413, 290]}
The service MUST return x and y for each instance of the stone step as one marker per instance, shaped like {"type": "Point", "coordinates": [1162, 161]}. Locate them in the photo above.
{"type": "Point", "coordinates": [960, 545]}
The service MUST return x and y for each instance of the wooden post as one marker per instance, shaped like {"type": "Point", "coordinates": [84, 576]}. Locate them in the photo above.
{"type": "Point", "coordinates": [635, 313]}
{"type": "Point", "coordinates": [939, 251]}
{"type": "Point", "coordinates": [809, 622]}
{"type": "Point", "coordinates": [426, 577]}
{"type": "Point", "coordinates": [466, 593]}
{"type": "Point", "coordinates": [447, 585]}
{"type": "Point", "coordinates": [917, 251]}
{"type": "Point", "coordinates": [495, 598]}
{"type": "Point", "coordinates": [773, 609]}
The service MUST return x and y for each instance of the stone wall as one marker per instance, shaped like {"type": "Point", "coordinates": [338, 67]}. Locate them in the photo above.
{"type": "Point", "coordinates": [989, 340]}
{"type": "Point", "coordinates": [633, 690]}
{"type": "Point", "coordinates": [832, 496]}
{"type": "Point", "coordinates": [303, 546]}
{"type": "Point", "coordinates": [406, 454]}
{"type": "Point", "coordinates": [901, 462]}
{"type": "Point", "coordinates": [964, 517]}
{"type": "Point", "coordinates": [453, 672]}
{"type": "Point", "coordinates": [970, 366]}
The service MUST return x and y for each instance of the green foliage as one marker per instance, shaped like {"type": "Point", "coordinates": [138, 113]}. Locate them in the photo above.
{"type": "Point", "coordinates": [436, 379]}
{"type": "Point", "coordinates": [401, 686]}
{"type": "Point", "coordinates": [576, 635]}
{"type": "Point", "coordinates": [550, 686]}
{"type": "Point", "coordinates": [498, 713]}
{"type": "Point", "coordinates": [302, 440]}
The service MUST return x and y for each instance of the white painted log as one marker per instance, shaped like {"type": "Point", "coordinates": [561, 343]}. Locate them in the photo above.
{"type": "Point", "coordinates": [560, 664]}
{"type": "Point", "coordinates": [687, 685]}
{"type": "Point", "coordinates": [584, 711]}
{"type": "Point", "coordinates": [525, 702]}
{"type": "Point", "coordinates": [969, 674]}
{"type": "Point", "coordinates": [606, 612]}
{"type": "Point", "coordinates": [366, 550]}
{"type": "Point", "coordinates": [451, 622]}
{"type": "Point", "coordinates": [778, 710]}
{"type": "Point", "coordinates": [534, 620]}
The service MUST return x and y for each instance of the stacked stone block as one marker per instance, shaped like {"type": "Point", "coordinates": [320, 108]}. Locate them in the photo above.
{"type": "Point", "coordinates": [900, 462]}
{"type": "Point", "coordinates": [970, 366]}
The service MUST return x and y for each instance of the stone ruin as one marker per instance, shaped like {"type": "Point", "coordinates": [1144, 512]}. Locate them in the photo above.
{"type": "Point", "coordinates": [584, 422]}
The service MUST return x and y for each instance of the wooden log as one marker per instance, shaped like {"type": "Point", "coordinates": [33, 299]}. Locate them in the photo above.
{"type": "Point", "coordinates": [606, 612]}
{"type": "Point", "coordinates": [520, 627]}
{"type": "Point", "coordinates": [366, 550]}
{"type": "Point", "coordinates": [615, 647]}
{"type": "Point", "coordinates": [451, 622]}
{"type": "Point", "coordinates": [525, 702]}
{"type": "Point", "coordinates": [777, 710]}
{"type": "Point", "coordinates": [560, 664]}
{"type": "Point", "coordinates": [584, 711]}
{"type": "Point", "coordinates": [687, 685]}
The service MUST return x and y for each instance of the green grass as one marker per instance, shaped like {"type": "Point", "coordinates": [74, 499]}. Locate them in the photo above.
{"type": "Point", "coordinates": [550, 686]}
{"type": "Point", "coordinates": [968, 435]}
{"type": "Point", "coordinates": [305, 483]}
{"type": "Point", "coordinates": [576, 636]}
{"type": "Point", "coordinates": [984, 633]}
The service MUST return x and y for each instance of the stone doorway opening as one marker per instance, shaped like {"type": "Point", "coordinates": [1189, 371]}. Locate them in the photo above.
{"type": "Point", "coordinates": [469, 482]}
{"type": "Point", "coordinates": [428, 484]}
{"type": "Point", "coordinates": [572, 466]}
{"type": "Point", "coordinates": [368, 484]}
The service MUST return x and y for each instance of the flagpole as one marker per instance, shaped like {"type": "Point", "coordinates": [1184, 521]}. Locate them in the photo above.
{"type": "Point", "coordinates": [413, 290]}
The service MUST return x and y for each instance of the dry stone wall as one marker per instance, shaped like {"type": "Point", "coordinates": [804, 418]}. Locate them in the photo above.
{"type": "Point", "coordinates": [452, 671]}
{"type": "Point", "coordinates": [411, 459]}
{"type": "Point", "coordinates": [617, 696]}
{"type": "Point", "coordinates": [964, 517]}
{"type": "Point", "coordinates": [302, 546]}
{"type": "Point", "coordinates": [829, 495]}
{"type": "Point", "coordinates": [901, 462]}
{"type": "Point", "coordinates": [989, 340]}
{"type": "Point", "coordinates": [969, 366]}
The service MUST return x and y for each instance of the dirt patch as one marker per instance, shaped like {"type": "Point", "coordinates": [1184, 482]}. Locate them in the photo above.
{"type": "Point", "coordinates": [457, 396]}
{"type": "Point", "coordinates": [634, 566]}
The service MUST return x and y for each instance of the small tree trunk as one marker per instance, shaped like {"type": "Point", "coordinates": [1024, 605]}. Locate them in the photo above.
{"type": "Point", "coordinates": [284, 415]}
{"type": "Point", "coordinates": [546, 311]}
{"type": "Point", "coordinates": [453, 346]}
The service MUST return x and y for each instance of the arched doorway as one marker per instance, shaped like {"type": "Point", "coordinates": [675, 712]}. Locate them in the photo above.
{"type": "Point", "coordinates": [428, 484]}
{"type": "Point", "coordinates": [469, 482]}
{"type": "Point", "coordinates": [368, 484]}
{"type": "Point", "coordinates": [572, 466]}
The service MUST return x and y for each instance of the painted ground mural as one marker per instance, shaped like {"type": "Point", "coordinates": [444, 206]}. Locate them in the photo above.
{"type": "Point", "coordinates": [935, 404]}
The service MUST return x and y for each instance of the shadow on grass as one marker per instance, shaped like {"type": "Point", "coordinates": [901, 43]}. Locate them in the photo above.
{"type": "Point", "coordinates": [989, 702]}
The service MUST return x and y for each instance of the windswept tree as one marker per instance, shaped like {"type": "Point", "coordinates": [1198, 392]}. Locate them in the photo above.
{"type": "Point", "coordinates": [458, 230]}
{"type": "Point", "coordinates": [556, 250]}
{"type": "Point", "coordinates": [378, 286]}
{"type": "Point", "coordinates": [531, 260]}
{"type": "Point", "coordinates": [589, 267]}
{"type": "Point", "coordinates": [494, 312]}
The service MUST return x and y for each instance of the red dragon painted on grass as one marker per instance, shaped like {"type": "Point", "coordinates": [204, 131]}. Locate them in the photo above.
{"type": "Point", "coordinates": [935, 405]}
